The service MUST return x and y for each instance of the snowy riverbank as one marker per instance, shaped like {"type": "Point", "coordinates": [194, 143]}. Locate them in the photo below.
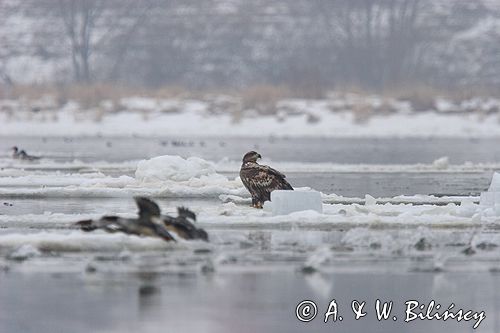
{"type": "Point", "coordinates": [366, 117]}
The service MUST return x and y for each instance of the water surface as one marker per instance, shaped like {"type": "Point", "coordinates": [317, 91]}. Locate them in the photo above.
{"type": "Point", "coordinates": [249, 279]}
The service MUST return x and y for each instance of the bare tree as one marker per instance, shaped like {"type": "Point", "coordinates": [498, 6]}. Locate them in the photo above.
{"type": "Point", "coordinates": [375, 41]}
{"type": "Point", "coordinates": [79, 19]}
{"type": "Point", "coordinates": [124, 41]}
{"type": "Point", "coordinates": [307, 44]}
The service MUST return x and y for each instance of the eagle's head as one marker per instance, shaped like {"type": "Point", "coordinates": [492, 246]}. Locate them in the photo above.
{"type": "Point", "coordinates": [251, 156]}
{"type": "Point", "coordinates": [14, 149]}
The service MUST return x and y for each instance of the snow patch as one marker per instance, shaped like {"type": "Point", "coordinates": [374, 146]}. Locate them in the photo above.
{"type": "Point", "coordinates": [77, 241]}
{"type": "Point", "coordinates": [24, 252]}
{"type": "Point", "coordinates": [193, 119]}
{"type": "Point", "coordinates": [441, 163]}
{"type": "Point", "coordinates": [176, 168]}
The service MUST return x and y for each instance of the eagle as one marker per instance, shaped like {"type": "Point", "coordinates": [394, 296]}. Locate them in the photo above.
{"type": "Point", "coordinates": [261, 180]}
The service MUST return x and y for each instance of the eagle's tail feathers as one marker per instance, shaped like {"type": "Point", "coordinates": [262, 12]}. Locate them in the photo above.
{"type": "Point", "coordinates": [287, 186]}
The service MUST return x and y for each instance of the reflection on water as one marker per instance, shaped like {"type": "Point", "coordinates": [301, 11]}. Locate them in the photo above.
{"type": "Point", "coordinates": [253, 286]}
{"type": "Point", "coordinates": [242, 302]}
{"type": "Point", "coordinates": [149, 294]}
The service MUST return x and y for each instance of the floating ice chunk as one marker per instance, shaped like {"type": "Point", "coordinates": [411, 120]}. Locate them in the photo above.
{"type": "Point", "coordinates": [24, 252]}
{"type": "Point", "coordinates": [491, 198]}
{"type": "Point", "coordinates": [286, 202]}
{"type": "Point", "coordinates": [369, 200]}
{"type": "Point", "coordinates": [467, 208]}
{"type": "Point", "coordinates": [174, 168]}
{"type": "Point", "coordinates": [27, 245]}
{"type": "Point", "coordinates": [442, 163]}
{"type": "Point", "coordinates": [495, 183]}
{"type": "Point", "coordinates": [488, 199]}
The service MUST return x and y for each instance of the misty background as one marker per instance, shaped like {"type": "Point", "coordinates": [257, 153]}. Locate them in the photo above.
{"type": "Point", "coordinates": [389, 108]}
{"type": "Point", "coordinates": [307, 45]}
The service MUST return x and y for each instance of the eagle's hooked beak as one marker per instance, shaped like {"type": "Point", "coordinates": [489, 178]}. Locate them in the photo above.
{"type": "Point", "coordinates": [258, 156]}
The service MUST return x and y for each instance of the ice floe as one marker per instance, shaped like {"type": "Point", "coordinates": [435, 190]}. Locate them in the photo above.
{"type": "Point", "coordinates": [24, 252]}
{"type": "Point", "coordinates": [175, 176]}
{"type": "Point", "coordinates": [386, 215]}
{"type": "Point", "coordinates": [229, 211]}
{"type": "Point", "coordinates": [176, 168]}
{"type": "Point", "coordinates": [76, 241]}
{"type": "Point", "coordinates": [10, 167]}
{"type": "Point", "coordinates": [163, 176]}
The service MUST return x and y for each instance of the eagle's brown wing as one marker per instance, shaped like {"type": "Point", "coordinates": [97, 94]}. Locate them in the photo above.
{"type": "Point", "coordinates": [261, 180]}
{"type": "Point", "coordinates": [281, 183]}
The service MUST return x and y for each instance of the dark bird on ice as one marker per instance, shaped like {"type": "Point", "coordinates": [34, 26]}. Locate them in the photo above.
{"type": "Point", "coordinates": [22, 155]}
{"type": "Point", "coordinates": [150, 223]}
{"type": "Point", "coordinates": [183, 225]}
{"type": "Point", "coordinates": [261, 180]}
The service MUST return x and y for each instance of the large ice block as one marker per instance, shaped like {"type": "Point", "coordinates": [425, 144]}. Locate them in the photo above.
{"type": "Point", "coordinates": [491, 198]}
{"type": "Point", "coordinates": [495, 183]}
{"type": "Point", "coordinates": [286, 202]}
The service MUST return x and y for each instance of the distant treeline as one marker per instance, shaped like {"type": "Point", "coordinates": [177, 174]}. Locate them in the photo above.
{"type": "Point", "coordinates": [309, 45]}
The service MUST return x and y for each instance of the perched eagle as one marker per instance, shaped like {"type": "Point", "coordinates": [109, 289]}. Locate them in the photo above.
{"type": "Point", "coordinates": [261, 180]}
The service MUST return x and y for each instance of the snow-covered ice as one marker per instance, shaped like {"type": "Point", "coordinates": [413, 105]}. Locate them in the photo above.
{"type": "Point", "coordinates": [55, 232]}
{"type": "Point", "coordinates": [176, 168]}
{"type": "Point", "coordinates": [163, 176]}
{"type": "Point", "coordinates": [442, 163]}
{"type": "Point", "coordinates": [222, 206]}
{"type": "Point", "coordinates": [174, 176]}
{"type": "Point", "coordinates": [9, 167]}
{"type": "Point", "coordinates": [76, 241]}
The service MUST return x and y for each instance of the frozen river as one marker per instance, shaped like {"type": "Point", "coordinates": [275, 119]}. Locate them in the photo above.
{"type": "Point", "coordinates": [257, 268]}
